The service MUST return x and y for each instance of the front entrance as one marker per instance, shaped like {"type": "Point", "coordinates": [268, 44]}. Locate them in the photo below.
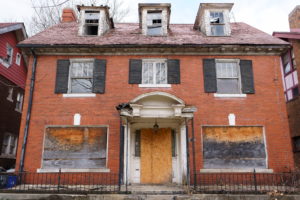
{"type": "Point", "coordinates": [156, 156]}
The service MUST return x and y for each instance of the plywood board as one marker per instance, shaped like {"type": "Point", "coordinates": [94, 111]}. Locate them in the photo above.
{"type": "Point", "coordinates": [234, 147]}
{"type": "Point", "coordinates": [75, 147]}
{"type": "Point", "coordinates": [156, 156]}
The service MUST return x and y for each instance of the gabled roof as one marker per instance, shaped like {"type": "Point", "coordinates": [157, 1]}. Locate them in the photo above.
{"type": "Point", "coordinates": [19, 27]}
{"type": "Point", "coordinates": [129, 34]}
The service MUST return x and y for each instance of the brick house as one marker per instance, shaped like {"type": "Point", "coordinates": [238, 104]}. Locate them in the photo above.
{"type": "Point", "coordinates": [13, 72]}
{"type": "Point", "coordinates": [153, 100]}
{"type": "Point", "coordinates": [290, 60]}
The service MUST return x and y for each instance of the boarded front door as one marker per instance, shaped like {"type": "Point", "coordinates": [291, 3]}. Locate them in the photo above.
{"type": "Point", "coordinates": [156, 156]}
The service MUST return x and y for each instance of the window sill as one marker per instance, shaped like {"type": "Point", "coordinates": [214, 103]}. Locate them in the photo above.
{"type": "Point", "coordinates": [155, 85]}
{"type": "Point", "coordinates": [5, 64]}
{"type": "Point", "coordinates": [10, 99]}
{"type": "Point", "coordinates": [20, 111]}
{"type": "Point", "coordinates": [55, 170]}
{"type": "Point", "coordinates": [238, 170]}
{"type": "Point", "coordinates": [74, 95]}
{"type": "Point", "coordinates": [230, 95]}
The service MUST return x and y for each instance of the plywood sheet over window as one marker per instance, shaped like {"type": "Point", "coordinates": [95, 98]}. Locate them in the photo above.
{"type": "Point", "coordinates": [233, 147]}
{"type": "Point", "coordinates": [75, 147]}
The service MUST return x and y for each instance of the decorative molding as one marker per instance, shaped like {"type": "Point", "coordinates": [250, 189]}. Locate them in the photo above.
{"type": "Point", "coordinates": [56, 170]}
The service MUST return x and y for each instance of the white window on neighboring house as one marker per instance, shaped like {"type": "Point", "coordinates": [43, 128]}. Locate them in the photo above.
{"type": "Point", "coordinates": [228, 77]}
{"type": "Point", "coordinates": [10, 94]}
{"type": "Point", "coordinates": [217, 24]}
{"type": "Point", "coordinates": [154, 23]}
{"type": "Point", "coordinates": [19, 103]}
{"type": "Point", "coordinates": [154, 72]}
{"type": "Point", "coordinates": [81, 76]}
{"type": "Point", "coordinates": [18, 59]}
{"type": "Point", "coordinates": [9, 144]}
{"type": "Point", "coordinates": [7, 60]}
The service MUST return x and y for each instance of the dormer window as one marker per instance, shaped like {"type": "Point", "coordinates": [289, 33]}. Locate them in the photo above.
{"type": "Point", "coordinates": [94, 20]}
{"type": "Point", "coordinates": [217, 23]}
{"type": "Point", "coordinates": [213, 19]}
{"type": "Point", "coordinates": [154, 22]}
{"type": "Point", "coordinates": [91, 22]}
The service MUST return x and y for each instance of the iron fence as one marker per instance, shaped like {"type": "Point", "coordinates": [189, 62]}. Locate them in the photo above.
{"type": "Point", "coordinates": [247, 182]}
{"type": "Point", "coordinates": [60, 182]}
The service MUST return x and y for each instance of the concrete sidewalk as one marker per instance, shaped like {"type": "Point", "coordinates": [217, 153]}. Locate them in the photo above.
{"type": "Point", "coordinates": [14, 196]}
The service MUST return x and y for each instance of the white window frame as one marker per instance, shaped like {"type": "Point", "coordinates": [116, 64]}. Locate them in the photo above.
{"type": "Point", "coordinates": [9, 144]}
{"type": "Point", "coordinates": [20, 98]}
{"type": "Point", "coordinates": [8, 63]}
{"type": "Point", "coordinates": [70, 94]}
{"type": "Point", "coordinates": [217, 24]}
{"type": "Point", "coordinates": [240, 94]}
{"type": "Point", "coordinates": [18, 59]}
{"type": "Point", "coordinates": [150, 14]}
{"type": "Point", "coordinates": [154, 84]}
{"type": "Point", "coordinates": [10, 94]}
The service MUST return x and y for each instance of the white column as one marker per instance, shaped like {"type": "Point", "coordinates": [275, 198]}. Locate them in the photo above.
{"type": "Point", "coordinates": [183, 158]}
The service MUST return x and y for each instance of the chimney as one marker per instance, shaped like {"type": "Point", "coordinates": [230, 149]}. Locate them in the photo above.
{"type": "Point", "coordinates": [294, 19]}
{"type": "Point", "coordinates": [68, 15]}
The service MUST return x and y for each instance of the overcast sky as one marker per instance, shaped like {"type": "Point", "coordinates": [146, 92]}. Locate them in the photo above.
{"type": "Point", "coordinates": [266, 15]}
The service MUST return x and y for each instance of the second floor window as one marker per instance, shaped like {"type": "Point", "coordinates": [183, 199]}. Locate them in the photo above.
{"type": "Point", "coordinates": [81, 77]}
{"type": "Point", "coordinates": [228, 77]}
{"type": "Point", "coordinates": [154, 72]}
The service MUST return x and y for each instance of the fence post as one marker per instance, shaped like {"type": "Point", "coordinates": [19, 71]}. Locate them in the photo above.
{"type": "Point", "coordinates": [255, 181]}
{"type": "Point", "coordinates": [58, 184]}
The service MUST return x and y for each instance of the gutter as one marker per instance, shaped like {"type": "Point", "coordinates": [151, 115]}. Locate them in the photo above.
{"type": "Point", "coordinates": [29, 108]}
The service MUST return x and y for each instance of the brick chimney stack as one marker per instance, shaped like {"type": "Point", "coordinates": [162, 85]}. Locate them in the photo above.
{"type": "Point", "coordinates": [68, 15]}
{"type": "Point", "coordinates": [294, 19]}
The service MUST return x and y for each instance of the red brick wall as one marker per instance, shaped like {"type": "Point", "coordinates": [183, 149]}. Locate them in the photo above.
{"type": "Point", "coordinates": [266, 107]}
{"type": "Point", "coordinates": [15, 73]}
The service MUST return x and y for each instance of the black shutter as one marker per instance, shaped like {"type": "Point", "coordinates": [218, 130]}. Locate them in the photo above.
{"type": "Point", "coordinates": [247, 77]}
{"type": "Point", "coordinates": [62, 76]}
{"type": "Point", "coordinates": [173, 71]}
{"type": "Point", "coordinates": [99, 76]}
{"type": "Point", "coordinates": [210, 78]}
{"type": "Point", "coordinates": [135, 71]}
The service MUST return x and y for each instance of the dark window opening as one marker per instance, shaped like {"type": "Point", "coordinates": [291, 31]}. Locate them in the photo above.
{"type": "Point", "coordinates": [91, 30]}
{"type": "Point", "coordinates": [295, 92]}
{"type": "Point", "coordinates": [156, 21]}
{"type": "Point", "coordinates": [173, 143]}
{"type": "Point", "coordinates": [296, 143]}
{"type": "Point", "coordinates": [137, 144]}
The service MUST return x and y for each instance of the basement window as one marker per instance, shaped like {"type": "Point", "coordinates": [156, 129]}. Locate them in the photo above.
{"type": "Point", "coordinates": [154, 23]}
{"type": "Point", "coordinates": [217, 24]}
{"type": "Point", "coordinates": [91, 22]}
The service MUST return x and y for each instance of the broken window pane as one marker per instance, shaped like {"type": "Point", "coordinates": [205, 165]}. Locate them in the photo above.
{"type": "Point", "coordinates": [154, 23]}
{"type": "Point", "coordinates": [216, 17]}
{"type": "Point", "coordinates": [75, 147]}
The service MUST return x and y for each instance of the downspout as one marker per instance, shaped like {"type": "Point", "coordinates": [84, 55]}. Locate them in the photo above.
{"type": "Point", "coordinates": [28, 115]}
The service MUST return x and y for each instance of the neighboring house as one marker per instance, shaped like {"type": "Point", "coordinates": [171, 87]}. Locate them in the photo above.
{"type": "Point", "coordinates": [290, 71]}
{"type": "Point", "coordinates": [130, 97]}
{"type": "Point", "coordinates": [13, 72]}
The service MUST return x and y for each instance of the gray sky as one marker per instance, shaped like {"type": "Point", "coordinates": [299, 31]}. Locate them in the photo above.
{"type": "Point", "coordinates": [266, 15]}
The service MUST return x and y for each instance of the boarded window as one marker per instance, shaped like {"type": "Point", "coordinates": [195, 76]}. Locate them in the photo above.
{"type": "Point", "coordinates": [154, 22]}
{"type": "Point", "coordinates": [233, 147]}
{"type": "Point", "coordinates": [75, 147]}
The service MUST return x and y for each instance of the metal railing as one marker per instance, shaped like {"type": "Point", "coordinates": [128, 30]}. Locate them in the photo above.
{"type": "Point", "coordinates": [60, 182]}
{"type": "Point", "coordinates": [247, 182]}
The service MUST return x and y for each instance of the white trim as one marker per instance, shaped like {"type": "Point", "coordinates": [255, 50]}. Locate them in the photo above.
{"type": "Point", "coordinates": [230, 95]}
{"type": "Point", "coordinates": [237, 170]}
{"type": "Point", "coordinates": [55, 170]}
{"type": "Point", "coordinates": [145, 95]}
{"type": "Point", "coordinates": [155, 85]}
{"type": "Point", "coordinates": [72, 95]}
